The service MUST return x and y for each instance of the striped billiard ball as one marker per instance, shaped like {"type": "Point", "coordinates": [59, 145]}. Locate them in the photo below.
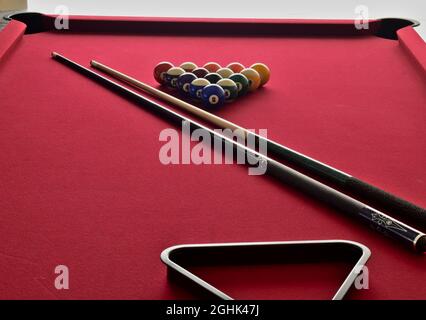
{"type": "Point", "coordinates": [230, 89]}
{"type": "Point", "coordinates": [225, 72]}
{"type": "Point", "coordinates": [253, 78]}
{"type": "Point", "coordinates": [196, 87]}
{"type": "Point", "coordinates": [184, 82]}
{"type": "Point", "coordinates": [188, 66]}
{"type": "Point", "coordinates": [172, 76]}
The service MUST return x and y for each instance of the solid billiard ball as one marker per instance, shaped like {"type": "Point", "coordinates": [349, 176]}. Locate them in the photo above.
{"type": "Point", "coordinates": [263, 71]}
{"type": "Point", "coordinates": [188, 66]}
{"type": "Point", "coordinates": [172, 75]}
{"type": "Point", "coordinates": [184, 82]}
{"type": "Point", "coordinates": [213, 96]}
{"type": "Point", "coordinates": [225, 72]}
{"type": "Point", "coordinates": [213, 77]}
{"type": "Point", "coordinates": [230, 88]}
{"type": "Point", "coordinates": [212, 66]}
{"type": "Point", "coordinates": [242, 83]}
{"type": "Point", "coordinates": [253, 78]}
{"type": "Point", "coordinates": [236, 67]}
{"type": "Point", "coordinates": [197, 86]}
{"type": "Point", "coordinates": [160, 71]}
{"type": "Point", "coordinates": [200, 72]}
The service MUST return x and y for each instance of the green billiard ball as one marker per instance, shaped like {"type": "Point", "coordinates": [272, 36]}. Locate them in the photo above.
{"type": "Point", "coordinates": [242, 83]}
{"type": "Point", "coordinates": [213, 77]}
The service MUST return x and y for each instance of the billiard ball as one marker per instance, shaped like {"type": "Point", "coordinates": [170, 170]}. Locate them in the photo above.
{"type": "Point", "coordinates": [263, 71]}
{"type": "Point", "coordinates": [230, 88]}
{"type": "Point", "coordinates": [184, 82]}
{"type": "Point", "coordinates": [225, 72]}
{"type": "Point", "coordinates": [160, 71]}
{"type": "Point", "coordinates": [212, 66]}
{"type": "Point", "coordinates": [213, 77]}
{"type": "Point", "coordinates": [213, 96]}
{"type": "Point", "coordinates": [200, 72]}
{"type": "Point", "coordinates": [188, 66]}
{"type": "Point", "coordinates": [172, 75]}
{"type": "Point", "coordinates": [253, 78]}
{"type": "Point", "coordinates": [242, 83]}
{"type": "Point", "coordinates": [236, 67]}
{"type": "Point", "coordinates": [197, 86]}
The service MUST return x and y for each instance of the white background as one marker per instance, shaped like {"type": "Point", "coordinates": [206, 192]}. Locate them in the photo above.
{"type": "Point", "coordinates": [338, 9]}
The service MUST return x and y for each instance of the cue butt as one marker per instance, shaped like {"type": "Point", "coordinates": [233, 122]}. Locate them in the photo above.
{"type": "Point", "coordinates": [420, 244]}
{"type": "Point", "coordinates": [386, 201]}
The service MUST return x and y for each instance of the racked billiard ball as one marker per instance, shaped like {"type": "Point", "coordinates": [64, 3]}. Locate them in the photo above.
{"type": "Point", "coordinates": [263, 71]}
{"type": "Point", "coordinates": [230, 89]}
{"type": "Point", "coordinates": [200, 72]}
{"type": "Point", "coordinates": [160, 71]}
{"type": "Point", "coordinates": [225, 72]}
{"type": "Point", "coordinates": [242, 83]}
{"type": "Point", "coordinates": [196, 87]}
{"type": "Point", "coordinates": [213, 77]}
{"type": "Point", "coordinates": [172, 75]}
{"type": "Point", "coordinates": [213, 96]}
{"type": "Point", "coordinates": [188, 66]}
{"type": "Point", "coordinates": [184, 81]}
{"type": "Point", "coordinates": [212, 66]}
{"type": "Point", "coordinates": [253, 78]}
{"type": "Point", "coordinates": [236, 67]}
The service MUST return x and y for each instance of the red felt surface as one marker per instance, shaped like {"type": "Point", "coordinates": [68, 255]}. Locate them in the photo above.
{"type": "Point", "coordinates": [81, 183]}
{"type": "Point", "coordinates": [289, 282]}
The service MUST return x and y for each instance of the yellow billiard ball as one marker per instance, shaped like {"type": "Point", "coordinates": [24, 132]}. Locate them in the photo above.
{"type": "Point", "coordinates": [253, 78]}
{"type": "Point", "coordinates": [263, 71]}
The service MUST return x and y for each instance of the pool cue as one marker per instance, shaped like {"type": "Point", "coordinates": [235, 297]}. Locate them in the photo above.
{"type": "Point", "coordinates": [368, 215]}
{"type": "Point", "coordinates": [344, 182]}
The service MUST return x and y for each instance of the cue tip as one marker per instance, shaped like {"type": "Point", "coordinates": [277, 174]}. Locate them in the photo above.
{"type": "Point", "coordinates": [54, 54]}
{"type": "Point", "coordinates": [93, 63]}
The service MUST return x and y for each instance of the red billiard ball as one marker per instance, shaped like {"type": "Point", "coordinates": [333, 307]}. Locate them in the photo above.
{"type": "Point", "coordinates": [236, 67]}
{"type": "Point", "coordinates": [212, 66]}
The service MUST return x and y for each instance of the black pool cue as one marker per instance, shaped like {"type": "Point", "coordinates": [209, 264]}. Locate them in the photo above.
{"type": "Point", "coordinates": [368, 215]}
{"type": "Point", "coordinates": [344, 182]}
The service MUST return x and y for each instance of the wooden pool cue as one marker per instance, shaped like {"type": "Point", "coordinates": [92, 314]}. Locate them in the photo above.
{"type": "Point", "coordinates": [368, 215]}
{"type": "Point", "coordinates": [344, 182]}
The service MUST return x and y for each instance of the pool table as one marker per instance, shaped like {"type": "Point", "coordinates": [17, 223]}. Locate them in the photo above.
{"type": "Point", "coordinates": [82, 185]}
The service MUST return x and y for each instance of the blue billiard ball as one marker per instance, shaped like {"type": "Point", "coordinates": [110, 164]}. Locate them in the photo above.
{"type": "Point", "coordinates": [213, 96]}
{"type": "Point", "coordinates": [184, 82]}
{"type": "Point", "coordinates": [172, 75]}
{"type": "Point", "coordinates": [230, 88]}
{"type": "Point", "coordinates": [196, 87]}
